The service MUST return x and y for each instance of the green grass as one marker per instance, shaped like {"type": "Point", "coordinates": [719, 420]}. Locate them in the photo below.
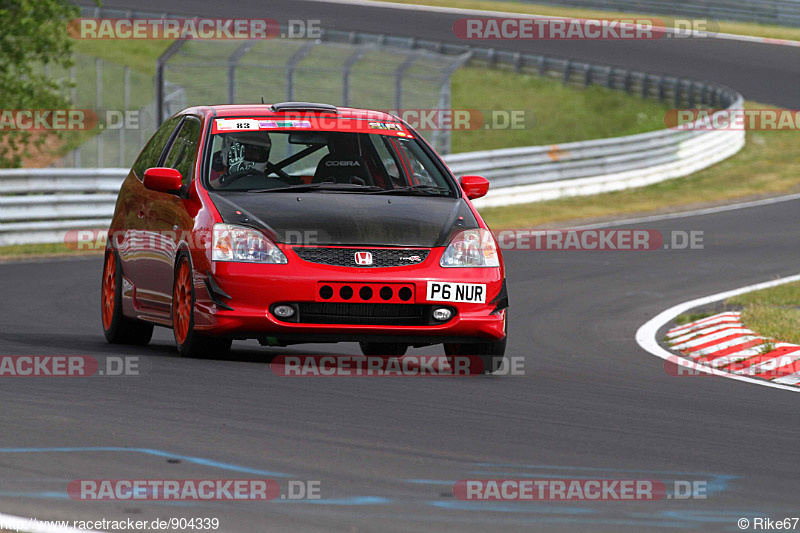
{"type": "Point", "coordinates": [138, 54]}
{"type": "Point", "coordinates": [768, 166]}
{"type": "Point", "coordinates": [738, 28]}
{"type": "Point", "coordinates": [782, 324]}
{"type": "Point", "coordinates": [773, 312]}
{"type": "Point", "coordinates": [29, 251]}
{"type": "Point", "coordinates": [554, 113]}
{"type": "Point", "coordinates": [691, 317]}
{"type": "Point", "coordinates": [783, 295]}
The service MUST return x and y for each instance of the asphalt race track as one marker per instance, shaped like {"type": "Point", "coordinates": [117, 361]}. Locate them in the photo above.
{"type": "Point", "coordinates": [387, 451]}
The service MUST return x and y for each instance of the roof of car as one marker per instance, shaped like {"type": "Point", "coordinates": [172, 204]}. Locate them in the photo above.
{"type": "Point", "coordinates": [293, 109]}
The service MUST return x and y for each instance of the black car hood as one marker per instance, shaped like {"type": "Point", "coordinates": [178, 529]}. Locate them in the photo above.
{"type": "Point", "coordinates": [347, 219]}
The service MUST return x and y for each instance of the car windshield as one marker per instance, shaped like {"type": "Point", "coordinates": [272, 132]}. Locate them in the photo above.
{"type": "Point", "coordinates": [266, 159]}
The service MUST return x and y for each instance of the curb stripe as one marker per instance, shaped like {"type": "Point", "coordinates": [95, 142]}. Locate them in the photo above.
{"type": "Point", "coordinates": [646, 336]}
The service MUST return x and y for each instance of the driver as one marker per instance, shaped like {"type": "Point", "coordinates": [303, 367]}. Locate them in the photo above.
{"type": "Point", "coordinates": [240, 152]}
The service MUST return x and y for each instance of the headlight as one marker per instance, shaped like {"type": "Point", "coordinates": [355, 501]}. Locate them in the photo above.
{"type": "Point", "coordinates": [471, 248]}
{"type": "Point", "coordinates": [236, 243]}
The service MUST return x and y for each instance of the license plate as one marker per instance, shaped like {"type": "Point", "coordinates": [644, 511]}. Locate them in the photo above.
{"type": "Point", "coordinates": [443, 291]}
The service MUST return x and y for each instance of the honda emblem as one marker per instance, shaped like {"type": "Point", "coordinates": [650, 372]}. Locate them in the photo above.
{"type": "Point", "coordinates": [363, 258]}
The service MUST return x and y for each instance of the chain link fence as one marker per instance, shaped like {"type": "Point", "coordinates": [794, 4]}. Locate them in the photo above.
{"type": "Point", "coordinates": [365, 75]}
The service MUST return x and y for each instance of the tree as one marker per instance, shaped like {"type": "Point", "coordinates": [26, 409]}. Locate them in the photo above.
{"type": "Point", "coordinates": [33, 33]}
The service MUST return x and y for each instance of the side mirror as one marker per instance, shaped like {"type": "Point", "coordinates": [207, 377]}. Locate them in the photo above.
{"type": "Point", "coordinates": [474, 186]}
{"type": "Point", "coordinates": [163, 179]}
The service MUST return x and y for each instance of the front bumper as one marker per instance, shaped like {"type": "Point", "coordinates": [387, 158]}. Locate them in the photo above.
{"type": "Point", "coordinates": [251, 291]}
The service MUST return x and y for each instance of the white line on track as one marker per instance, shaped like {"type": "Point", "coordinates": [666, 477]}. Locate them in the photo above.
{"type": "Point", "coordinates": [697, 212]}
{"type": "Point", "coordinates": [490, 13]}
{"type": "Point", "coordinates": [646, 335]}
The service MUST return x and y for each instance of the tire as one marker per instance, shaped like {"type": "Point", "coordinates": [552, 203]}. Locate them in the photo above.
{"type": "Point", "coordinates": [188, 342]}
{"type": "Point", "coordinates": [117, 328]}
{"type": "Point", "coordinates": [490, 353]}
{"type": "Point", "coordinates": [392, 349]}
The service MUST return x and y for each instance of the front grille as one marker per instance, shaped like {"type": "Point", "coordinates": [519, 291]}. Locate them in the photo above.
{"type": "Point", "coordinates": [381, 257]}
{"type": "Point", "coordinates": [362, 314]}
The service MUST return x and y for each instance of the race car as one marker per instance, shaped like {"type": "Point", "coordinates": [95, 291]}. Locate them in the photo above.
{"type": "Point", "coordinates": [299, 223]}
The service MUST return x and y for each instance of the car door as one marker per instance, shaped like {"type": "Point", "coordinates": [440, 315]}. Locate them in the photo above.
{"type": "Point", "coordinates": [133, 244]}
{"type": "Point", "coordinates": [166, 217]}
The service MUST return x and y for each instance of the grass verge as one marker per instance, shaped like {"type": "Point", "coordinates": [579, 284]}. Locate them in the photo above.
{"type": "Point", "coordinates": [32, 251]}
{"type": "Point", "coordinates": [553, 112]}
{"type": "Point", "coordinates": [773, 312]}
{"type": "Point", "coordinates": [767, 166]}
{"type": "Point", "coordinates": [691, 317]}
{"type": "Point", "coordinates": [736, 28]}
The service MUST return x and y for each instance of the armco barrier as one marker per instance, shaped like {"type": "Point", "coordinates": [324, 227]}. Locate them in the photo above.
{"type": "Point", "coordinates": [40, 205]}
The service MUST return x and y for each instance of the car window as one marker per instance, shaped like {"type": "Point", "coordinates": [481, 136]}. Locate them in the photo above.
{"type": "Point", "coordinates": [254, 159]}
{"type": "Point", "coordinates": [418, 166]}
{"type": "Point", "coordinates": [151, 154]}
{"type": "Point", "coordinates": [387, 160]}
{"type": "Point", "coordinates": [183, 151]}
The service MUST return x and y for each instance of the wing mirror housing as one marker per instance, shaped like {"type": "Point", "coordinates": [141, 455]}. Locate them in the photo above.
{"type": "Point", "coordinates": [163, 179]}
{"type": "Point", "coordinates": [474, 186]}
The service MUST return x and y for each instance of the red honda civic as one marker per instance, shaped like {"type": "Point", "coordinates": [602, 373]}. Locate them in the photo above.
{"type": "Point", "coordinates": [297, 223]}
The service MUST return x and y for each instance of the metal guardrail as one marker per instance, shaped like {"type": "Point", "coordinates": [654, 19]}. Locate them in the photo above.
{"type": "Point", "coordinates": [537, 173]}
{"type": "Point", "coordinates": [41, 205]}
{"type": "Point", "coordinates": [780, 12]}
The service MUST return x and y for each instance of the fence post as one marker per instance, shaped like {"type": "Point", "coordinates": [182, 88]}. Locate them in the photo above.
{"type": "Point", "coordinates": [398, 79]}
{"type": "Point", "coordinates": [161, 64]}
{"type": "Point", "coordinates": [291, 65]}
{"type": "Point", "coordinates": [347, 67]}
{"type": "Point", "coordinates": [442, 138]}
{"type": "Point", "coordinates": [126, 104]}
{"type": "Point", "coordinates": [233, 60]}
{"type": "Point", "coordinates": [98, 65]}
